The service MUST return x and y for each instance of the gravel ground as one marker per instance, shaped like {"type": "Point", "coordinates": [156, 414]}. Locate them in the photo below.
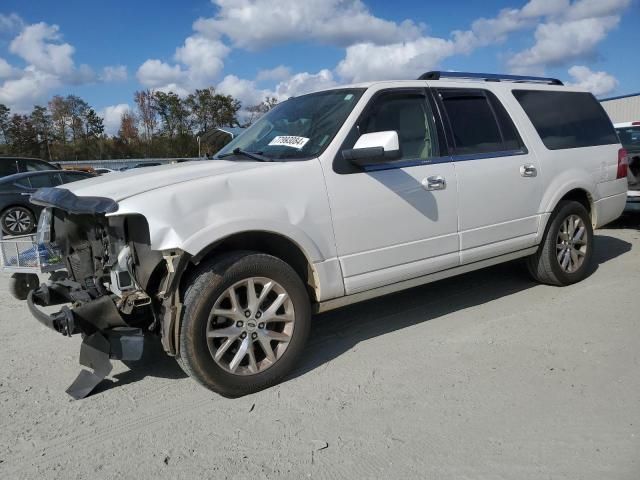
{"type": "Point", "coordinates": [485, 376]}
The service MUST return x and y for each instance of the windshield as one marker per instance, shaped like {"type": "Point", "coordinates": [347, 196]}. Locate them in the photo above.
{"type": "Point", "coordinates": [629, 136]}
{"type": "Point", "coordinates": [301, 127]}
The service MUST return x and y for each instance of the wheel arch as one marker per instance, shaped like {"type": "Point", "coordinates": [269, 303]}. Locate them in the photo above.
{"type": "Point", "coordinates": [262, 241]}
{"type": "Point", "coordinates": [580, 194]}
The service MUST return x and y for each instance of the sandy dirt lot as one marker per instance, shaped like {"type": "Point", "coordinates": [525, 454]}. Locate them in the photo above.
{"type": "Point", "coordinates": [484, 376]}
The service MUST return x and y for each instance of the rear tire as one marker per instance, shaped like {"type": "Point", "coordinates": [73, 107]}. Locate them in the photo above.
{"type": "Point", "coordinates": [236, 343]}
{"type": "Point", "coordinates": [564, 256]}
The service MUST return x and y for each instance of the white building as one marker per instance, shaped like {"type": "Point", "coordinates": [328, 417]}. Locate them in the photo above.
{"type": "Point", "coordinates": [625, 108]}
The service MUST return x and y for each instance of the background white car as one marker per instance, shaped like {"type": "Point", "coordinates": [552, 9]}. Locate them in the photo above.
{"type": "Point", "coordinates": [629, 133]}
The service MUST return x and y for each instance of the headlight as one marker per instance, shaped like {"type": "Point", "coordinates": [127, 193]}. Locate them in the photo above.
{"type": "Point", "coordinates": [43, 235]}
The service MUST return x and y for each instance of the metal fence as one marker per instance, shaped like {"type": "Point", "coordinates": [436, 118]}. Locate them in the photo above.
{"type": "Point", "coordinates": [118, 164]}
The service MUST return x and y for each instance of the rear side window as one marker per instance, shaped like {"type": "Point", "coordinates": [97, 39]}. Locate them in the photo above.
{"type": "Point", "coordinates": [68, 177]}
{"type": "Point", "coordinates": [36, 166]}
{"type": "Point", "coordinates": [567, 119]}
{"type": "Point", "coordinates": [478, 122]}
{"type": "Point", "coordinates": [23, 183]}
{"type": "Point", "coordinates": [40, 181]}
{"type": "Point", "coordinates": [8, 167]}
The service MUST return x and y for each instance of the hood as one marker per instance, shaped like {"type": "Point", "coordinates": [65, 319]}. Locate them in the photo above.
{"type": "Point", "coordinates": [120, 185]}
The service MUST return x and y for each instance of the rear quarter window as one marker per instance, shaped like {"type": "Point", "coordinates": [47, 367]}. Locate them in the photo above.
{"type": "Point", "coordinates": [567, 119]}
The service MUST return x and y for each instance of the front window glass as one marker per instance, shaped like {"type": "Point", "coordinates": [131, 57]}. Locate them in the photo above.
{"type": "Point", "coordinates": [301, 127]}
{"type": "Point", "coordinates": [629, 137]}
{"type": "Point", "coordinates": [410, 116]}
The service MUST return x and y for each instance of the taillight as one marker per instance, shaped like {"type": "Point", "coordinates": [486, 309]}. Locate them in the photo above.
{"type": "Point", "coordinates": [635, 123]}
{"type": "Point", "coordinates": [623, 163]}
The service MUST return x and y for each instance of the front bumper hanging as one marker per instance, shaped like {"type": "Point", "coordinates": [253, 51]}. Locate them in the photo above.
{"type": "Point", "coordinates": [107, 336]}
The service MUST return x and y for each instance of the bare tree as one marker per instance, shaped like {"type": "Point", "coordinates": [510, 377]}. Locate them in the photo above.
{"type": "Point", "coordinates": [263, 107]}
{"type": "Point", "coordinates": [128, 132]}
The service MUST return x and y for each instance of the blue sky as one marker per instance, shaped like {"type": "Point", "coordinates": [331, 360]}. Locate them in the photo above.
{"type": "Point", "coordinates": [104, 51]}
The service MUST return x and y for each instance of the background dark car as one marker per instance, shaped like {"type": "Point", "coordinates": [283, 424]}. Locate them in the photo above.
{"type": "Point", "coordinates": [13, 165]}
{"type": "Point", "coordinates": [147, 164]}
{"type": "Point", "coordinates": [18, 216]}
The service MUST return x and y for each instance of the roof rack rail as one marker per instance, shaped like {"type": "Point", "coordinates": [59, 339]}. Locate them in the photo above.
{"type": "Point", "coordinates": [489, 77]}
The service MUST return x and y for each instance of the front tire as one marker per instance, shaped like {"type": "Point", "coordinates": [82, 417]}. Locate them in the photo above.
{"type": "Point", "coordinates": [17, 221]}
{"type": "Point", "coordinates": [20, 284]}
{"type": "Point", "coordinates": [245, 322]}
{"type": "Point", "coordinates": [564, 257]}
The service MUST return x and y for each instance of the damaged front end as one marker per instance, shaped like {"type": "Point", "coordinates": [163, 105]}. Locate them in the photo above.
{"type": "Point", "coordinates": [116, 287]}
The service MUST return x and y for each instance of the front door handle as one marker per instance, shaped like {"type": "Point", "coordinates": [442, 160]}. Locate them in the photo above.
{"type": "Point", "coordinates": [528, 170]}
{"type": "Point", "coordinates": [434, 183]}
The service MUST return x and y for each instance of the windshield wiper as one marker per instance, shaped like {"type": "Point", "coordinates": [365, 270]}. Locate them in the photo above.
{"type": "Point", "coordinates": [252, 155]}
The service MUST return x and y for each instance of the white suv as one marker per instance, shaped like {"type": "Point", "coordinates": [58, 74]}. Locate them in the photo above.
{"type": "Point", "coordinates": [329, 199]}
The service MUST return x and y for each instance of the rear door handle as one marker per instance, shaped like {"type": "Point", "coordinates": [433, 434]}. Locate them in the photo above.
{"type": "Point", "coordinates": [436, 182]}
{"type": "Point", "coordinates": [528, 170]}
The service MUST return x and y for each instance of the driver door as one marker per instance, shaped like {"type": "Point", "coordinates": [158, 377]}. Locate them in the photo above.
{"type": "Point", "coordinates": [395, 220]}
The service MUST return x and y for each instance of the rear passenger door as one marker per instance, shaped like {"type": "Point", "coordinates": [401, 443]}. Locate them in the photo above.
{"type": "Point", "coordinates": [499, 189]}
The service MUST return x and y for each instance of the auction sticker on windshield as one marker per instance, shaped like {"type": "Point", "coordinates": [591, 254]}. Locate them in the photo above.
{"type": "Point", "coordinates": [289, 141]}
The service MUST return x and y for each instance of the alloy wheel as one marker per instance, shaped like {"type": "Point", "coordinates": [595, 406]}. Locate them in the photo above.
{"type": "Point", "coordinates": [571, 244]}
{"type": "Point", "coordinates": [250, 326]}
{"type": "Point", "coordinates": [18, 221]}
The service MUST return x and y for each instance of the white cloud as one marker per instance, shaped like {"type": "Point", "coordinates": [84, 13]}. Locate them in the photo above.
{"type": "Point", "coordinates": [302, 83]}
{"type": "Point", "coordinates": [115, 73]}
{"type": "Point", "coordinates": [375, 48]}
{"type": "Point", "coordinates": [559, 43]}
{"type": "Point", "coordinates": [255, 24]}
{"type": "Point", "coordinates": [37, 45]}
{"type": "Point", "coordinates": [249, 94]}
{"type": "Point", "coordinates": [112, 116]}
{"type": "Point", "coordinates": [242, 89]}
{"type": "Point", "coordinates": [155, 73]}
{"type": "Point", "coordinates": [596, 8]}
{"type": "Point", "coordinates": [10, 23]}
{"type": "Point", "coordinates": [572, 31]}
{"type": "Point", "coordinates": [598, 83]}
{"type": "Point", "coordinates": [49, 64]}
{"type": "Point", "coordinates": [200, 61]}
{"type": "Point", "coordinates": [274, 74]}
{"type": "Point", "coordinates": [545, 8]}
{"type": "Point", "coordinates": [203, 58]}
{"type": "Point", "coordinates": [20, 94]}
{"type": "Point", "coordinates": [6, 70]}
{"type": "Point", "coordinates": [406, 60]}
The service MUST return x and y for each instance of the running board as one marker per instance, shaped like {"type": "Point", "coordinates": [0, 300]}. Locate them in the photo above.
{"type": "Point", "coordinates": [415, 282]}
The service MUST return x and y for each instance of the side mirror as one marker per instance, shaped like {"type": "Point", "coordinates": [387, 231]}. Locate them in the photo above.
{"type": "Point", "coordinates": [374, 148]}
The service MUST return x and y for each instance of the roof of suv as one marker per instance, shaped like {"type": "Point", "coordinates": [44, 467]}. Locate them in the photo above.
{"type": "Point", "coordinates": [455, 79]}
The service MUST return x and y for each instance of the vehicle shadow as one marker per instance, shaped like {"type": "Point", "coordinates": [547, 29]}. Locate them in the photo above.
{"type": "Point", "coordinates": [334, 333]}
{"type": "Point", "coordinates": [154, 363]}
{"type": "Point", "coordinates": [628, 220]}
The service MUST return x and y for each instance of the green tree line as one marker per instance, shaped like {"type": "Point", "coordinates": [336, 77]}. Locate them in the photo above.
{"type": "Point", "coordinates": [162, 125]}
